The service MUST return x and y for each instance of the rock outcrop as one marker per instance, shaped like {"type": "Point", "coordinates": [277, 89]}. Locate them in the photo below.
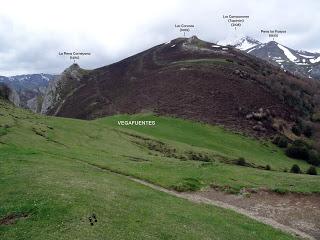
{"type": "Point", "coordinates": [60, 88]}
{"type": "Point", "coordinates": [9, 94]}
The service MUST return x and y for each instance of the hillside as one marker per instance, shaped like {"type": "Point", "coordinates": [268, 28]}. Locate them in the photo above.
{"type": "Point", "coordinates": [192, 79]}
{"type": "Point", "coordinates": [220, 142]}
{"type": "Point", "coordinates": [56, 172]}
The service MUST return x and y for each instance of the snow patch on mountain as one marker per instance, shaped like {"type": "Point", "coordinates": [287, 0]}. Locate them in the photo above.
{"type": "Point", "coordinates": [243, 43]}
{"type": "Point", "coordinates": [258, 46]}
{"type": "Point", "coordinates": [306, 56]}
{"type": "Point", "coordinates": [299, 62]}
{"type": "Point", "coordinates": [287, 52]}
{"type": "Point", "coordinates": [44, 77]}
{"type": "Point", "coordinates": [315, 60]}
{"type": "Point", "coordinates": [246, 45]}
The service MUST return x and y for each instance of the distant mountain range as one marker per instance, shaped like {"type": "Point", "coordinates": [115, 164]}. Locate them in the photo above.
{"type": "Point", "coordinates": [30, 88]}
{"type": "Point", "coordinates": [298, 62]}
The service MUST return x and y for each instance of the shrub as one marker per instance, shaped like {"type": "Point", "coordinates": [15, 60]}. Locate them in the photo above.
{"type": "Point", "coordinates": [312, 171]}
{"type": "Point", "coordinates": [300, 142]}
{"type": "Point", "coordinates": [297, 152]}
{"type": "Point", "coordinates": [301, 127]}
{"type": "Point", "coordinates": [241, 161]}
{"type": "Point", "coordinates": [314, 157]}
{"type": "Point", "coordinates": [299, 149]}
{"type": "Point", "coordinates": [268, 167]}
{"type": "Point", "coordinates": [199, 156]}
{"type": "Point", "coordinates": [280, 141]}
{"type": "Point", "coordinates": [280, 190]}
{"type": "Point", "coordinates": [188, 184]}
{"type": "Point", "coordinates": [296, 130]}
{"type": "Point", "coordinates": [307, 131]}
{"type": "Point", "coordinates": [295, 169]}
{"type": "Point", "coordinates": [283, 143]}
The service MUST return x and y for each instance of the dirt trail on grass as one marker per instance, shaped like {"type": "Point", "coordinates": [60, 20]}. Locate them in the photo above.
{"type": "Point", "coordinates": [296, 214]}
{"type": "Point", "coordinates": [298, 211]}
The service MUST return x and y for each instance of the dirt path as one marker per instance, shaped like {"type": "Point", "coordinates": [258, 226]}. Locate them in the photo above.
{"type": "Point", "coordinates": [295, 214]}
{"type": "Point", "coordinates": [229, 201]}
{"type": "Point", "coordinates": [298, 211]}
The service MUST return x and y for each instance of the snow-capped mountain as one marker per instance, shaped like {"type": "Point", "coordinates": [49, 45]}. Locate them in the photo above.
{"type": "Point", "coordinates": [298, 62]}
{"type": "Point", "coordinates": [243, 43]}
{"type": "Point", "coordinates": [30, 88]}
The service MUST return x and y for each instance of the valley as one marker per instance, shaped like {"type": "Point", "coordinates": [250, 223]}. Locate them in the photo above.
{"type": "Point", "coordinates": [29, 89]}
{"type": "Point", "coordinates": [62, 180]}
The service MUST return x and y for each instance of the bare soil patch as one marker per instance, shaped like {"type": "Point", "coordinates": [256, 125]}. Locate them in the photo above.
{"type": "Point", "coordinates": [12, 218]}
{"type": "Point", "coordinates": [298, 211]}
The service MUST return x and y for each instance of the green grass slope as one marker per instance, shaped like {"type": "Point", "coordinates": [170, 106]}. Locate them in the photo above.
{"type": "Point", "coordinates": [214, 138]}
{"type": "Point", "coordinates": [58, 195]}
{"type": "Point", "coordinates": [52, 179]}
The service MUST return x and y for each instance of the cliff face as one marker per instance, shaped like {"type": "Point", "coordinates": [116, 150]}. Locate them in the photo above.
{"type": "Point", "coordinates": [9, 94]}
{"type": "Point", "coordinates": [60, 88]}
{"type": "Point", "coordinates": [14, 98]}
{"type": "Point", "coordinates": [30, 88]}
{"type": "Point", "coordinates": [51, 96]}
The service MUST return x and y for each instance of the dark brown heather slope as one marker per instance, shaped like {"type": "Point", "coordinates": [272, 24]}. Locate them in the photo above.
{"type": "Point", "coordinates": [192, 79]}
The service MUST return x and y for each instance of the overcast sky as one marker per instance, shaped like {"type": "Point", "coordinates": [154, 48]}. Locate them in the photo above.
{"type": "Point", "coordinates": [34, 32]}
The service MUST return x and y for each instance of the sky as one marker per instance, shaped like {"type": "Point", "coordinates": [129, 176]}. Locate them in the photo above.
{"type": "Point", "coordinates": [33, 32]}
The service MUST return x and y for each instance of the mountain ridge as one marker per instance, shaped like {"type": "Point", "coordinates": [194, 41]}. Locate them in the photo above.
{"type": "Point", "coordinates": [187, 78]}
{"type": "Point", "coordinates": [299, 62]}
